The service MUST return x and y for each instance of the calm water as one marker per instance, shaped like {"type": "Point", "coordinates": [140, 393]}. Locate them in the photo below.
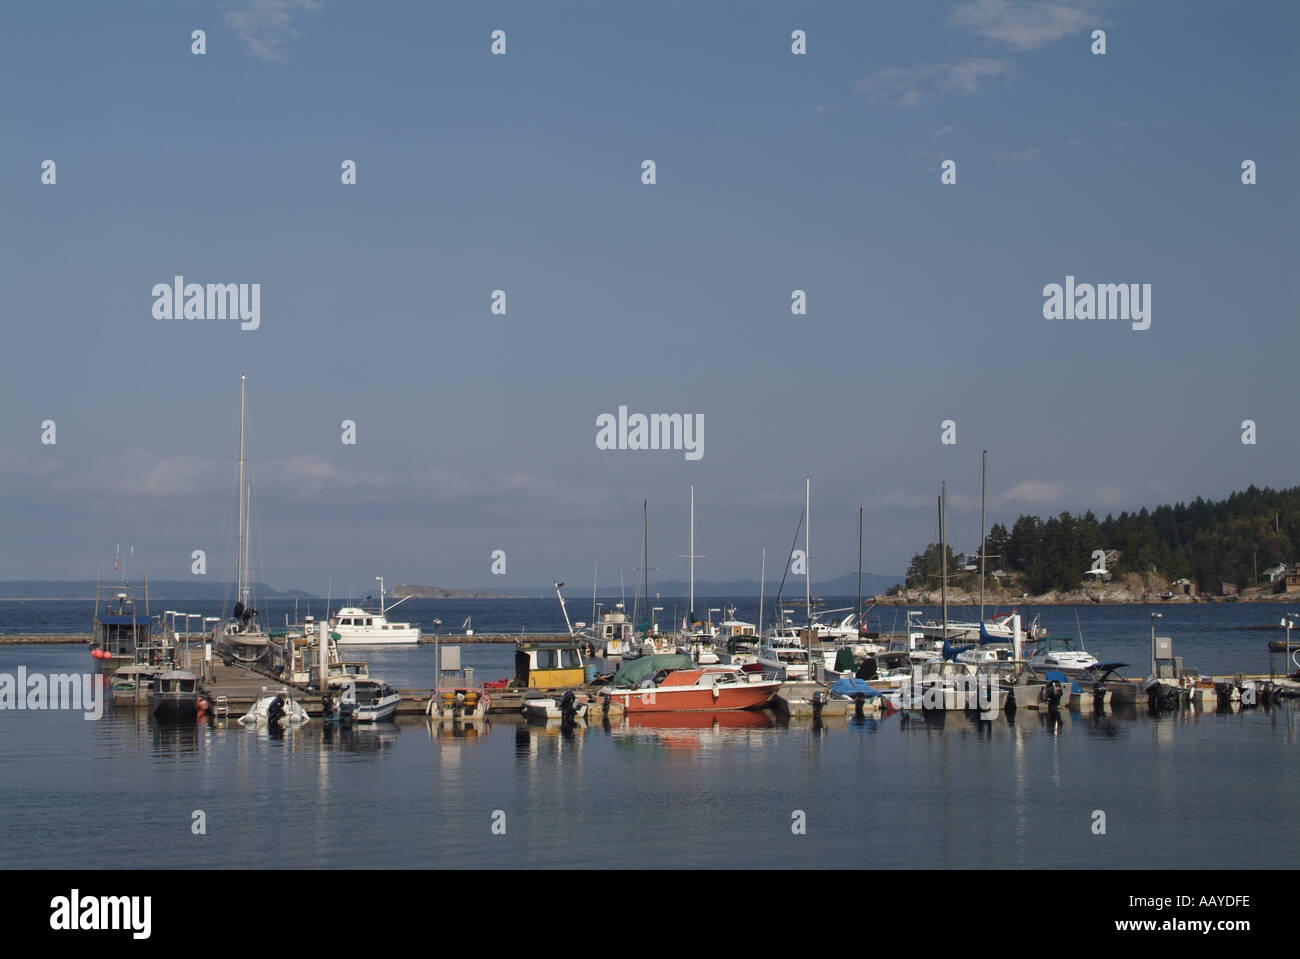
{"type": "Point", "coordinates": [1187, 790]}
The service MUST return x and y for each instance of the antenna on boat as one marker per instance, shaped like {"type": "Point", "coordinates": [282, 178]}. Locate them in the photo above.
{"type": "Point", "coordinates": [563, 609]}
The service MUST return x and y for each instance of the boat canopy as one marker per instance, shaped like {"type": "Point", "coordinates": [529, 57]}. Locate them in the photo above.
{"type": "Point", "coordinates": [851, 686]}
{"type": "Point", "coordinates": [639, 670]}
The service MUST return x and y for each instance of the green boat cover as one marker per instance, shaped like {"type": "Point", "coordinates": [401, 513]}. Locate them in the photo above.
{"type": "Point", "coordinates": [844, 660]}
{"type": "Point", "coordinates": [639, 670]}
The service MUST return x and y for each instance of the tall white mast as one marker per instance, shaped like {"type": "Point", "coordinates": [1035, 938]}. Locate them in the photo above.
{"type": "Point", "coordinates": [984, 472]}
{"type": "Point", "coordinates": [240, 560]}
{"type": "Point", "coordinates": [943, 554]}
{"type": "Point", "coordinates": [691, 610]}
{"type": "Point", "coordinates": [807, 550]}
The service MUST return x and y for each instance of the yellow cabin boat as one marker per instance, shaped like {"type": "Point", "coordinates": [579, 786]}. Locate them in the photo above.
{"type": "Point", "coordinates": [549, 666]}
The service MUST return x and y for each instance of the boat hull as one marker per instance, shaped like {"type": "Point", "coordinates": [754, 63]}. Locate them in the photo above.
{"type": "Point", "coordinates": [174, 709]}
{"type": "Point", "coordinates": [386, 638]}
{"type": "Point", "coordinates": [739, 696]}
{"type": "Point", "coordinates": [379, 712]}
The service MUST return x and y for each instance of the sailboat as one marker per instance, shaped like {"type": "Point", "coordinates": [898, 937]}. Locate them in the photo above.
{"type": "Point", "coordinates": [696, 638]}
{"type": "Point", "coordinates": [785, 651]}
{"type": "Point", "coordinates": [241, 637]}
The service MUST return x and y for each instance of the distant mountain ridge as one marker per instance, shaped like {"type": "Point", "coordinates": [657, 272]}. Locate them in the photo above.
{"type": "Point", "coordinates": [158, 589]}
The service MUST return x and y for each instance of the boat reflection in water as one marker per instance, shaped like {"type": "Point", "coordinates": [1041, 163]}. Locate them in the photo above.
{"type": "Point", "coordinates": [458, 730]}
{"type": "Point", "coordinates": [697, 730]}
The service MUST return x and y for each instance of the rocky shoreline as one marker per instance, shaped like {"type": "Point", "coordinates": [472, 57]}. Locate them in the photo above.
{"type": "Point", "coordinates": [1128, 590]}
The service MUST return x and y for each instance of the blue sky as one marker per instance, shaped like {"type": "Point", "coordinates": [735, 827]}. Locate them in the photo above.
{"type": "Point", "coordinates": [521, 172]}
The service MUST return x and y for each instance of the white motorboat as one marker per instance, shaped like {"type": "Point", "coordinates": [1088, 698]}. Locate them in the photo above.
{"type": "Point", "coordinates": [1063, 653]}
{"type": "Point", "coordinates": [376, 701]}
{"type": "Point", "coordinates": [353, 626]}
{"type": "Point", "coordinates": [783, 653]}
{"type": "Point", "coordinates": [551, 707]}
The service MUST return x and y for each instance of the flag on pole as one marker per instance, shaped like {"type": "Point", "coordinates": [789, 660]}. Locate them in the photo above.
{"type": "Point", "coordinates": [116, 556]}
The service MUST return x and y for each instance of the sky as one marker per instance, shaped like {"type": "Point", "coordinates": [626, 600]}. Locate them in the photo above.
{"type": "Point", "coordinates": [523, 172]}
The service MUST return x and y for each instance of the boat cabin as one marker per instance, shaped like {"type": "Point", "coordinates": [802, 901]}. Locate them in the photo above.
{"type": "Point", "coordinates": [175, 684]}
{"type": "Point", "coordinates": [615, 629]}
{"type": "Point", "coordinates": [339, 672]}
{"type": "Point", "coordinates": [549, 665]}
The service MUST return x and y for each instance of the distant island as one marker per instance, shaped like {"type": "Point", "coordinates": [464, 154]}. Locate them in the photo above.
{"type": "Point", "coordinates": [437, 592]}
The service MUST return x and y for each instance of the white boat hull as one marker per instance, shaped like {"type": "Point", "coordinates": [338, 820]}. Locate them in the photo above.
{"type": "Point", "coordinates": [294, 714]}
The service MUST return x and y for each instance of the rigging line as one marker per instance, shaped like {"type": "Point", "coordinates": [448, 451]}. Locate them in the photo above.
{"type": "Point", "coordinates": [793, 544]}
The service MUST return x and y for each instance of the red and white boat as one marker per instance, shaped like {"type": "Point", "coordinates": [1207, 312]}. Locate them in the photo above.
{"type": "Point", "coordinates": [708, 688]}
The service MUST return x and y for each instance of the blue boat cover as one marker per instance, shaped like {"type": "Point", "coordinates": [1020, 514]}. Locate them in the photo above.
{"type": "Point", "coordinates": [851, 686]}
{"type": "Point", "coordinates": [950, 651]}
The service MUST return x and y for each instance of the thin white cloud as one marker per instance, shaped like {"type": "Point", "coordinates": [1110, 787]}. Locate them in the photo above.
{"type": "Point", "coordinates": [1034, 492]}
{"type": "Point", "coordinates": [942, 132]}
{"type": "Point", "coordinates": [1022, 25]}
{"type": "Point", "coordinates": [266, 26]}
{"type": "Point", "coordinates": [907, 87]}
{"type": "Point", "coordinates": [1022, 156]}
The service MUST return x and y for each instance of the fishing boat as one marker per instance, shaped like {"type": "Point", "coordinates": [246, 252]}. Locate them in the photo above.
{"type": "Point", "coordinates": [132, 683]}
{"type": "Point", "coordinates": [613, 632]}
{"type": "Point", "coordinates": [702, 688]}
{"type": "Point", "coordinates": [120, 634]}
{"type": "Point", "coordinates": [241, 637]}
{"type": "Point", "coordinates": [174, 697]}
{"type": "Point", "coordinates": [549, 665]}
{"type": "Point", "coordinates": [353, 626]}
{"type": "Point", "coordinates": [736, 641]}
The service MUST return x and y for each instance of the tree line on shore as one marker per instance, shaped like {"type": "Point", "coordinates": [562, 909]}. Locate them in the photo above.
{"type": "Point", "coordinates": [1208, 542]}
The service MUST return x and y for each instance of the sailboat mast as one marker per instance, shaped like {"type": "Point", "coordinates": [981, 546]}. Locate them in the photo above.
{"type": "Point", "coordinates": [943, 556]}
{"type": "Point", "coordinates": [645, 560]}
{"type": "Point", "coordinates": [762, 583]}
{"type": "Point", "coordinates": [859, 609]}
{"type": "Point", "coordinates": [691, 610]}
{"type": "Point", "coordinates": [240, 560]}
{"type": "Point", "coordinates": [984, 473]}
{"type": "Point", "coordinates": [807, 551]}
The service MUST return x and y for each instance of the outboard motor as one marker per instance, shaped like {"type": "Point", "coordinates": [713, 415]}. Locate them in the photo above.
{"type": "Point", "coordinates": [568, 707]}
{"type": "Point", "coordinates": [327, 707]}
{"type": "Point", "coordinates": [275, 712]}
{"type": "Point", "coordinates": [859, 705]}
{"type": "Point", "coordinates": [1227, 694]}
{"type": "Point", "coordinates": [1051, 694]}
{"type": "Point", "coordinates": [1161, 698]}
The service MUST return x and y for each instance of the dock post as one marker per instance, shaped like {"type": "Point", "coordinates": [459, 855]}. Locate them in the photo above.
{"type": "Point", "coordinates": [323, 657]}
